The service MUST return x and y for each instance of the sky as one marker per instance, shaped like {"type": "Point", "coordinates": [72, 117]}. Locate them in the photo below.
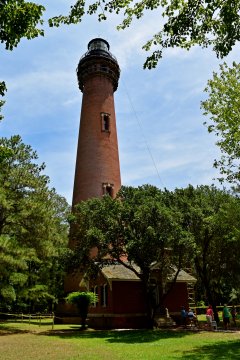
{"type": "Point", "coordinates": [162, 139]}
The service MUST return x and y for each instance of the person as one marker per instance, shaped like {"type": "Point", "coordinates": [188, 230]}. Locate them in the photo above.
{"type": "Point", "coordinates": [209, 315]}
{"type": "Point", "coordinates": [183, 316]}
{"type": "Point", "coordinates": [226, 317]}
{"type": "Point", "coordinates": [192, 317]}
{"type": "Point", "coordinates": [234, 315]}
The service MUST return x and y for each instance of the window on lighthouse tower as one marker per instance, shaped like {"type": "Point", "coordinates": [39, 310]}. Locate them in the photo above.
{"type": "Point", "coordinates": [105, 119]}
{"type": "Point", "coordinates": [108, 189]}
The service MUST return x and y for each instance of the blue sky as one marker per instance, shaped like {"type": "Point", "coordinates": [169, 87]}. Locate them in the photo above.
{"type": "Point", "coordinates": [157, 110]}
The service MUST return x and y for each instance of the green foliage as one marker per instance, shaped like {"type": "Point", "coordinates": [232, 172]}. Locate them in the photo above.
{"type": "Point", "coordinates": [3, 89]}
{"type": "Point", "coordinates": [12, 268]}
{"type": "Point", "coordinates": [19, 19]}
{"type": "Point", "coordinates": [212, 216]}
{"type": "Point", "coordinates": [192, 227]}
{"type": "Point", "coordinates": [39, 294]}
{"type": "Point", "coordinates": [152, 226]}
{"type": "Point", "coordinates": [141, 226]}
{"type": "Point", "coordinates": [75, 15]}
{"type": "Point", "coordinates": [204, 23]}
{"type": "Point", "coordinates": [82, 300]}
{"type": "Point", "coordinates": [223, 106]}
{"type": "Point", "coordinates": [187, 23]}
{"type": "Point", "coordinates": [8, 293]}
{"type": "Point", "coordinates": [33, 227]}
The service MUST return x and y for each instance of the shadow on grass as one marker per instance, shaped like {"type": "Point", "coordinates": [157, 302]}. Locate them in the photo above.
{"type": "Point", "coordinates": [10, 330]}
{"type": "Point", "coordinates": [114, 336]}
{"type": "Point", "coordinates": [18, 328]}
{"type": "Point", "coordinates": [222, 350]}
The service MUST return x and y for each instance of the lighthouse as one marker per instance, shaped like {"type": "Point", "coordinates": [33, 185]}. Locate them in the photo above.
{"type": "Point", "coordinates": [97, 170]}
{"type": "Point", "coordinates": [120, 292]}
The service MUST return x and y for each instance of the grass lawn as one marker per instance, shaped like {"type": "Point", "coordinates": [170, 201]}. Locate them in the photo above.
{"type": "Point", "coordinates": [19, 341]}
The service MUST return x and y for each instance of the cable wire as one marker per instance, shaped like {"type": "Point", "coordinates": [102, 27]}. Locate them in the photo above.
{"type": "Point", "coordinates": [143, 135]}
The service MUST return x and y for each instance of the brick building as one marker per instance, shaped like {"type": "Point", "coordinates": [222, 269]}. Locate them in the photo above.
{"type": "Point", "coordinates": [121, 300]}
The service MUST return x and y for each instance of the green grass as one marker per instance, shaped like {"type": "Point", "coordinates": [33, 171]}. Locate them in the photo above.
{"type": "Point", "coordinates": [31, 342]}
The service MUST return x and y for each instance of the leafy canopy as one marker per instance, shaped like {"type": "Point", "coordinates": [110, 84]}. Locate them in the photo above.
{"type": "Point", "coordinates": [140, 228]}
{"type": "Point", "coordinates": [222, 107]}
{"type": "Point", "coordinates": [186, 23]}
{"type": "Point", "coordinates": [19, 19]}
{"type": "Point", "coordinates": [137, 223]}
{"type": "Point", "coordinates": [192, 227]}
{"type": "Point", "coordinates": [212, 216]}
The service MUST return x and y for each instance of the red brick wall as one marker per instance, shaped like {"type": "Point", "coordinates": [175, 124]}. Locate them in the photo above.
{"type": "Point", "coordinates": [126, 306]}
{"type": "Point", "coordinates": [128, 297]}
{"type": "Point", "coordinates": [123, 298]}
{"type": "Point", "coordinates": [177, 298]}
{"type": "Point", "coordinates": [97, 155]}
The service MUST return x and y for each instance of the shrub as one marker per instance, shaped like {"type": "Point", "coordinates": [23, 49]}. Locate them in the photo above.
{"type": "Point", "coordinates": [82, 300]}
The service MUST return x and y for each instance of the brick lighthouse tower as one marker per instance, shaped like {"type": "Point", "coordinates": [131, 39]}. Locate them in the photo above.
{"type": "Point", "coordinates": [97, 169]}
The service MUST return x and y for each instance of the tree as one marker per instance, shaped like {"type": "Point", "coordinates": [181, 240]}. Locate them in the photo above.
{"type": "Point", "coordinates": [19, 19]}
{"type": "Point", "coordinates": [12, 268]}
{"type": "Point", "coordinates": [212, 216]}
{"type": "Point", "coordinates": [205, 23]}
{"type": "Point", "coordinates": [223, 106]}
{"type": "Point", "coordinates": [33, 229]}
{"type": "Point", "coordinates": [82, 300]}
{"type": "Point", "coordinates": [140, 226]}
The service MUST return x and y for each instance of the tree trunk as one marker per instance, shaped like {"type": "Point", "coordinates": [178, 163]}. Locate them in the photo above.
{"type": "Point", "coordinates": [83, 322]}
{"type": "Point", "coordinates": [212, 302]}
{"type": "Point", "coordinates": [148, 296]}
{"type": "Point", "coordinates": [202, 273]}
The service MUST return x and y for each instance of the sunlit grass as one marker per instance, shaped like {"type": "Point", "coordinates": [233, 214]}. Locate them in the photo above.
{"type": "Point", "coordinates": [66, 342]}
